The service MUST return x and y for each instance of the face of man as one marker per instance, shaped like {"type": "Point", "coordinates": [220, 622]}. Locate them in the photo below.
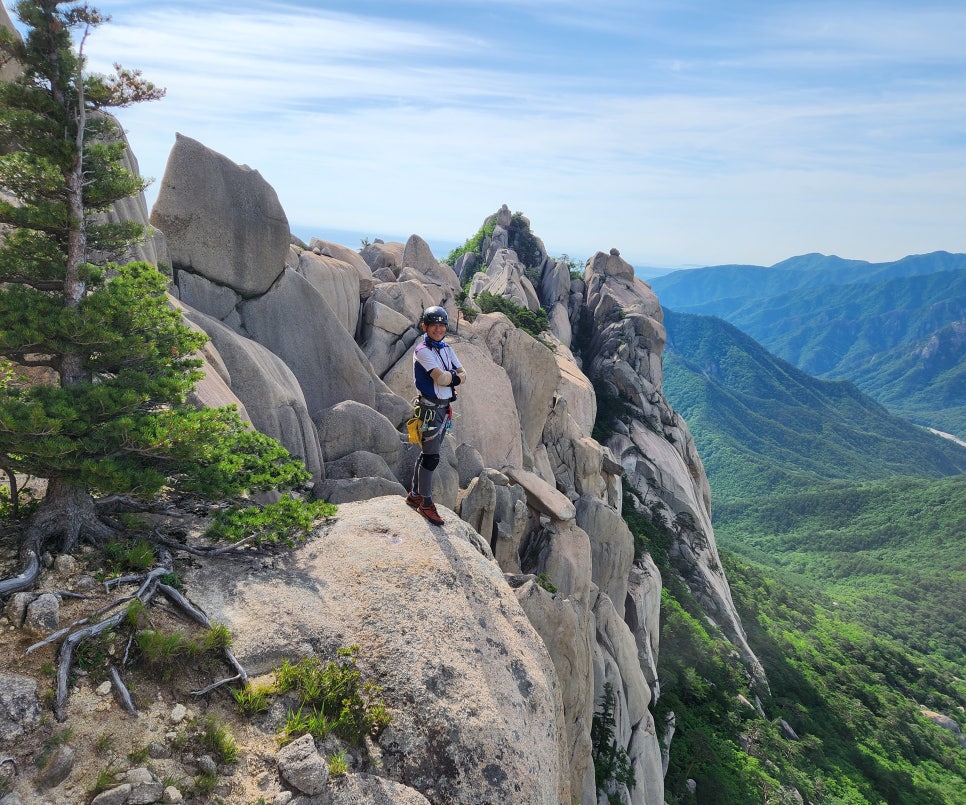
{"type": "Point", "coordinates": [436, 330]}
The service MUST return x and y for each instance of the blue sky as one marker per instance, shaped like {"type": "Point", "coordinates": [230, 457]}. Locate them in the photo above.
{"type": "Point", "coordinates": [681, 133]}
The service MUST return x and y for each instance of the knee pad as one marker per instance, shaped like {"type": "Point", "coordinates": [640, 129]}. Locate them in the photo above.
{"type": "Point", "coordinates": [430, 461]}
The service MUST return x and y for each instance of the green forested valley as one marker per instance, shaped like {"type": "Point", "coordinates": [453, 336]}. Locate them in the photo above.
{"type": "Point", "coordinates": [843, 533]}
{"type": "Point", "coordinates": [896, 330]}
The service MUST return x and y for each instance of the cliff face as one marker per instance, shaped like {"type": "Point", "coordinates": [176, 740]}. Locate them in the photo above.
{"type": "Point", "coordinates": [315, 343]}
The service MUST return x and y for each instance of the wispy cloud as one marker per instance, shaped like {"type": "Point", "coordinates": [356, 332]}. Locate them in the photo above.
{"type": "Point", "coordinates": [666, 129]}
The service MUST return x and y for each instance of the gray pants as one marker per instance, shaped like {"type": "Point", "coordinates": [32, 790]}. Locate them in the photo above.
{"type": "Point", "coordinates": [433, 432]}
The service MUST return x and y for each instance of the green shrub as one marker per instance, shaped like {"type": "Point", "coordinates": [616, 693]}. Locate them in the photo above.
{"type": "Point", "coordinates": [611, 408]}
{"type": "Point", "coordinates": [332, 699]}
{"type": "Point", "coordinates": [523, 241]}
{"type": "Point", "coordinates": [128, 556]}
{"type": "Point", "coordinates": [139, 753]}
{"type": "Point", "coordinates": [338, 764]}
{"type": "Point", "coordinates": [611, 763]}
{"type": "Point", "coordinates": [468, 311]}
{"type": "Point", "coordinates": [252, 699]}
{"type": "Point", "coordinates": [161, 651]}
{"type": "Point", "coordinates": [533, 322]}
{"type": "Point", "coordinates": [473, 244]}
{"type": "Point", "coordinates": [283, 522]}
{"type": "Point", "coordinates": [203, 784]}
{"type": "Point", "coordinates": [216, 737]}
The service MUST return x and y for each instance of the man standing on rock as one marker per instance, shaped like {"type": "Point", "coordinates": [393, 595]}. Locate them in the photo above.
{"type": "Point", "coordinates": [437, 372]}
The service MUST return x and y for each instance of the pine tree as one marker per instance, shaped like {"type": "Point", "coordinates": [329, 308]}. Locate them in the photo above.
{"type": "Point", "coordinates": [109, 415]}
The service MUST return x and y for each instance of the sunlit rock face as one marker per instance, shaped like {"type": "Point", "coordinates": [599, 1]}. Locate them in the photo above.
{"type": "Point", "coordinates": [498, 632]}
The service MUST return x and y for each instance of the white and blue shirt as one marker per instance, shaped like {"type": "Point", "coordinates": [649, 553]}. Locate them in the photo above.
{"type": "Point", "coordinates": [431, 355]}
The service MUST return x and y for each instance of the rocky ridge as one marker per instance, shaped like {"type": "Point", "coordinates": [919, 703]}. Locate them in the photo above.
{"type": "Point", "coordinates": [492, 679]}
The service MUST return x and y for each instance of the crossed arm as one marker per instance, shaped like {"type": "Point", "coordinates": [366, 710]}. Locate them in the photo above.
{"type": "Point", "coordinates": [443, 378]}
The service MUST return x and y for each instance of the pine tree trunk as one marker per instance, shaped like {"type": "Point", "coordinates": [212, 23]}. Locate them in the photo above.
{"type": "Point", "coordinates": [67, 513]}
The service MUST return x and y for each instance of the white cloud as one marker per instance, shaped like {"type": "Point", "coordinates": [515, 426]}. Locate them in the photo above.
{"type": "Point", "coordinates": [670, 141]}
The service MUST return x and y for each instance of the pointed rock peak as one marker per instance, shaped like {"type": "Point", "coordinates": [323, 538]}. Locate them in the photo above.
{"type": "Point", "coordinates": [417, 254]}
{"type": "Point", "coordinates": [611, 265]}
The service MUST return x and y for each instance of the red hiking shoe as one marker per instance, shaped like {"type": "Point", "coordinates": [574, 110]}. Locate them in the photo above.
{"type": "Point", "coordinates": [414, 500]}
{"type": "Point", "coordinates": [428, 510]}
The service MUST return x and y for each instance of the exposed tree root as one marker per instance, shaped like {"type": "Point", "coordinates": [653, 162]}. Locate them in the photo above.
{"type": "Point", "coordinates": [150, 586]}
{"type": "Point", "coordinates": [190, 549]}
{"type": "Point", "coordinates": [238, 678]}
{"type": "Point", "coordinates": [121, 693]}
{"type": "Point", "coordinates": [200, 617]}
{"type": "Point", "coordinates": [68, 514]}
{"type": "Point", "coordinates": [65, 655]}
{"type": "Point", "coordinates": [23, 580]}
{"type": "Point", "coordinates": [53, 638]}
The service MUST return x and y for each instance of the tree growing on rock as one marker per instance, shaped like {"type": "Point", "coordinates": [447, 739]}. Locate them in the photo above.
{"type": "Point", "coordinates": [102, 365]}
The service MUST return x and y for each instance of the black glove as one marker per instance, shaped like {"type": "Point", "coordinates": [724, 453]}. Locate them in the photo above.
{"type": "Point", "coordinates": [455, 381]}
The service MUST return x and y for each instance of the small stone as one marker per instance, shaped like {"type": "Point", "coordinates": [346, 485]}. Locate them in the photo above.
{"type": "Point", "coordinates": [113, 796]}
{"type": "Point", "coordinates": [19, 706]}
{"type": "Point", "coordinates": [207, 765]}
{"type": "Point", "coordinates": [58, 767]}
{"type": "Point", "coordinates": [16, 608]}
{"type": "Point", "coordinates": [178, 712]}
{"type": "Point", "coordinates": [43, 614]}
{"type": "Point", "coordinates": [300, 764]}
{"type": "Point", "coordinates": [145, 787]}
{"type": "Point", "coordinates": [104, 688]}
{"type": "Point", "coordinates": [66, 564]}
{"type": "Point", "coordinates": [138, 776]}
{"type": "Point", "coordinates": [172, 794]}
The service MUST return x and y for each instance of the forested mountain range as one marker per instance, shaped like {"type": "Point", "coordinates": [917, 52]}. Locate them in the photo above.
{"type": "Point", "coordinates": [763, 426]}
{"type": "Point", "coordinates": [842, 529]}
{"type": "Point", "coordinates": [896, 329]}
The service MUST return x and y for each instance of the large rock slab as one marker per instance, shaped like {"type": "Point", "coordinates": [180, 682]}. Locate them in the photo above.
{"type": "Point", "coordinates": [337, 282]}
{"type": "Point", "coordinates": [418, 255]}
{"type": "Point", "coordinates": [562, 623]}
{"type": "Point", "coordinates": [541, 495]}
{"type": "Point", "coordinates": [350, 426]}
{"type": "Point", "coordinates": [612, 548]}
{"type": "Point", "coordinates": [472, 691]}
{"type": "Point", "coordinates": [220, 219]}
{"type": "Point", "coordinates": [270, 392]}
{"type": "Point", "coordinates": [380, 254]}
{"type": "Point", "coordinates": [344, 254]}
{"type": "Point", "coordinates": [531, 367]}
{"type": "Point", "coordinates": [353, 789]}
{"type": "Point", "coordinates": [296, 323]}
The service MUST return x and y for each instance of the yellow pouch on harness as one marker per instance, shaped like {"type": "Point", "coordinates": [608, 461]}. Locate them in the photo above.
{"type": "Point", "coordinates": [415, 428]}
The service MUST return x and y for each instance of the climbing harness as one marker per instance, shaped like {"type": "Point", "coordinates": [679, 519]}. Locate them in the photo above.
{"type": "Point", "coordinates": [428, 417]}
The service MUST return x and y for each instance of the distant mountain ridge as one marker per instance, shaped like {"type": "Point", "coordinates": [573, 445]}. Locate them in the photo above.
{"type": "Point", "coordinates": [763, 426]}
{"type": "Point", "coordinates": [894, 329]}
{"type": "Point", "coordinates": [683, 290]}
